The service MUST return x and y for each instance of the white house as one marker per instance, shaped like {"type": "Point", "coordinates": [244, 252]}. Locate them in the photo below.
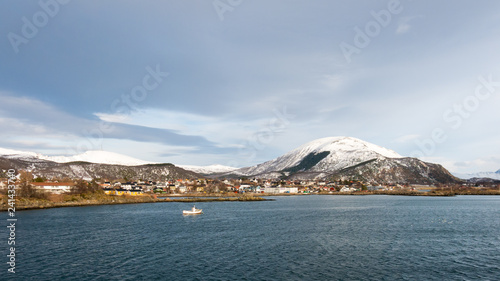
{"type": "Point", "coordinates": [245, 186]}
{"type": "Point", "coordinates": [53, 187]}
{"type": "Point", "coordinates": [281, 190]}
{"type": "Point", "coordinates": [348, 189]}
{"type": "Point", "coordinates": [182, 188]}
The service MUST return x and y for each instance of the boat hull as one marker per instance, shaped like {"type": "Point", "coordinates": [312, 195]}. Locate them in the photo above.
{"type": "Point", "coordinates": [198, 212]}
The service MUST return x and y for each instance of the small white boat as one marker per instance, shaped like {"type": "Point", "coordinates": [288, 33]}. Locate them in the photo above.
{"type": "Point", "coordinates": [193, 211]}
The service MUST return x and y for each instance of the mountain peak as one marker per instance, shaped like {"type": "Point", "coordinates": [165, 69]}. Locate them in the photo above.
{"type": "Point", "coordinates": [348, 158]}
{"type": "Point", "coordinates": [347, 144]}
{"type": "Point", "coordinates": [325, 154]}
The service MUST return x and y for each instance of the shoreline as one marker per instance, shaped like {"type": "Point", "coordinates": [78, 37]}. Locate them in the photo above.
{"type": "Point", "coordinates": [37, 204]}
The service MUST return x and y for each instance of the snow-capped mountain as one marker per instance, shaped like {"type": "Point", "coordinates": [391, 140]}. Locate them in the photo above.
{"type": "Point", "coordinates": [326, 154]}
{"type": "Point", "coordinates": [326, 158]}
{"type": "Point", "coordinates": [106, 157]}
{"type": "Point", "coordinates": [207, 170]}
{"type": "Point", "coordinates": [348, 158]}
{"type": "Point", "coordinates": [100, 157]}
{"type": "Point", "coordinates": [491, 175]}
{"type": "Point", "coordinates": [90, 165]}
{"type": "Point", "coordinates": [18, 153]}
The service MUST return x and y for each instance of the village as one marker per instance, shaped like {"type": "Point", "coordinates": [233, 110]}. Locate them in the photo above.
{"type": "Point", "coordinates": [215, 186]}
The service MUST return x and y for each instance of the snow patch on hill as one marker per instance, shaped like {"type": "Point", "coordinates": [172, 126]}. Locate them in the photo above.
{"type": "Point", "coordinates": [100, 157]}
{"type": "Point", "coordinates": [211, 169]}
{"type": "Point", "coordinates": [491, 175]}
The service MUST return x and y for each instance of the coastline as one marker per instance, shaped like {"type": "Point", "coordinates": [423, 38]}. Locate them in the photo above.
{"type": "Point", "coordinates": [100, 199]}
{"type": "Point", "coordinates": [35, 204]}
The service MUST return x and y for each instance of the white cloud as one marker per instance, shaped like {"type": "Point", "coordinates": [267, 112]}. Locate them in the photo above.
{"type": "Point", "coordinates": [406, 138]}
{"type": "Point", "coordinates": [235, 74]}
{"type": "Point", "coordinates": [404, 24]}
{"type": "Point", "coordinates": [225, 132]}
{"type": "Point", "coordinates": [403, 28]}
{"type": "Point", "coordinates": [333, 82]}
{"type": "Point", "coordinates": [113, 118]}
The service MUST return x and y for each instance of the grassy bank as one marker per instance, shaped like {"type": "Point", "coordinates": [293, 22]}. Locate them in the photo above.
{"type": "Point", "coordinates": [221, 199]}
{"type": "Point", "coordinates": [58, 201]}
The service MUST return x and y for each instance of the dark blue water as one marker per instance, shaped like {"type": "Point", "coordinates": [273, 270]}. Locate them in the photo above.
{"type": "Point", "coordinates": [292, 238]}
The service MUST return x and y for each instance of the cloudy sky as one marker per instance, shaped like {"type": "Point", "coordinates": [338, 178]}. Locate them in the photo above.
{"type": "Point", "coordinates": [239, 82]}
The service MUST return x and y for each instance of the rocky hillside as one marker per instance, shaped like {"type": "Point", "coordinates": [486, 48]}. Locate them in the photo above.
{"type": "Point", "coordinates": [86, 170]}
{"type": "Point", "coordinates": [403, 170]}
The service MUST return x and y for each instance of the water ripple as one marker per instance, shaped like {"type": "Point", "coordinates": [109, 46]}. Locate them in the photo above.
{"type": "Point", "coordinates": [306, 238]}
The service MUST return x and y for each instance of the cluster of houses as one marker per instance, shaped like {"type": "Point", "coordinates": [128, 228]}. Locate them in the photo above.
{"type": "Point", "coordinates": [307, 186]}
{"type": "Point", "coordinates": [180, 186]}
{"type": "Point", "coordinates": [52, 187]}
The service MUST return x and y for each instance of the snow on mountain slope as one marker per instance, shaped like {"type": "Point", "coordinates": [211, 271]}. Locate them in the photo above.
{"type": "Point", "coordinates": [206, 170]}
{"type": "Point", "coordinates": [11, 152]}
{"type": "Point", "coordinates": [106, 157]}
{"type": "Point", "coordinates": [491, 175]}
{"type": "Point", "coordinates": [101, 157]}
{"type": "Point", "coordinates": [333, 153]}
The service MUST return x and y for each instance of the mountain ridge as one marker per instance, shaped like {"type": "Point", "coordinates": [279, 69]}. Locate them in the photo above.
{"type": "Point", "coordinates": [325, 158]}
{"type": "Point", "coordinates": [92, 156]}
{"type": "Point", "coordinates": [208, 170]}
{"type": "Point", "coordinates": [479, 175]}
{"type": "Point", "coordinates": [343, 152]}
{"type": "Point", "coordinates": [87, 171]}
{"type": "Point", "coordinates": [110, 158]}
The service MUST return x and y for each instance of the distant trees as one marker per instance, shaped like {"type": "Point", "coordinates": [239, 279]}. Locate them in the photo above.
{"type": "Point", "coordinates": [39, 179]}
{"type": "Point", "coordinates": [222, 186]}
{"type": "Point", "coordinates": [93, 186]}
{"type": "Point", "coordinates": [25, 188]}
{"type": "Point", "coordinates": [81, 186]}
{"type": "Point", "coordinates": [215, 186]}
{"type": "Point", "coordinates": [210, 188]}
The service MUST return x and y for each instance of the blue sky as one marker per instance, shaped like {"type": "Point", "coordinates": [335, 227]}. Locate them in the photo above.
{"type": "Point", "coordinates": [239, 82]}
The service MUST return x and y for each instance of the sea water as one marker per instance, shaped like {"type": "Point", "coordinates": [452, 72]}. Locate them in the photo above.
{"type": "Point", "coordinates": [292, 238]}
